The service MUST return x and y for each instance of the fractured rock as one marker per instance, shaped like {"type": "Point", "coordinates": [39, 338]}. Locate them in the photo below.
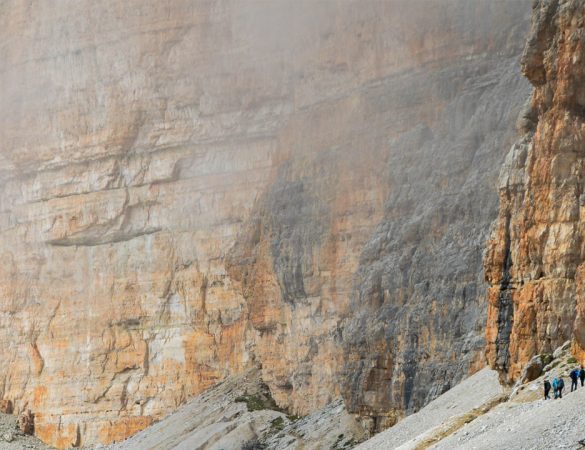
{"type": "Point", "coordinates": [532, 370]}
{"type": "Point", "coordinates": [26, 422]}
{"type": "Point", "coordinates": [562, 349]}
{"type": "Point", "coordinates": [6, 407]}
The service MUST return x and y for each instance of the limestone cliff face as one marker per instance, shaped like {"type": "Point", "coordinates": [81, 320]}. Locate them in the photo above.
{"type": "Point", "coordinates": [190, 188]}
{"type": "Point", "coordinates": [535, 260]}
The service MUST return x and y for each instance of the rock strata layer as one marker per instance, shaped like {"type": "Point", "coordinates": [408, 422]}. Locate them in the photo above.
{"type": "Point", "coordinates": [534, 262]}
{"type": "Point", "coordinates": [191, 188]}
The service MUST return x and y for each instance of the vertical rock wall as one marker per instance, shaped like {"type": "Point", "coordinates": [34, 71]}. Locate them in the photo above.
{"type": "Point", "coordinates": [534, 262]}
{"type": "Point", "coordinates": [188, 188]}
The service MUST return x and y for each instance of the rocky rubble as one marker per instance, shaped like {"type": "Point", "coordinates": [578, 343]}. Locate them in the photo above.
{"type": "Point", "coordinates": [412, 432]}
{"type": "Point", "coordinates": [331, 427]}
{"type": "Point", "coordinates": [527, 421]}
{"type": "Point", "coordinates": [481, 414]}
{"type": "Point", "coordinates": [239, 413]}
{"type": "Point", "coordinates": [12, 438]}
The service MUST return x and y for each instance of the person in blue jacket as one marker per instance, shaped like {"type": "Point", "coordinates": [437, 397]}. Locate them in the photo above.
{"type": "Point", "coordinates": [555, 386]}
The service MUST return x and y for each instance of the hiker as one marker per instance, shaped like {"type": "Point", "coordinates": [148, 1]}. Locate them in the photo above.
{"type": "Point", "coordinates": [555, 385]}
{"type": "Point", "coordinates": [574, 377]}
{"type": "Point", "coordinates": [582, 376]}
{"type": "Point", "coordinates": [561, 385]}
{"type": "Point", "coordinates": [546, 389]}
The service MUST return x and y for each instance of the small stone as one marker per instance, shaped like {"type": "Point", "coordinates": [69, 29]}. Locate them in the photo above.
{"type": "Point", "coordinates": [8, 437]}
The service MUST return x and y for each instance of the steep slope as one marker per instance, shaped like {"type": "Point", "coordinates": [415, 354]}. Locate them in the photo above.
{"type": "Point", "coordinates": [477, 390]}
{"type": "Point", "coordinates": [539, 425]}
{"type": "Point", "coordinates": [535, 259]}
{"type": "Point", "coordinates": [476, 414]}
{"type": "Point", "coordinates": [237, 413]}
{"type": "Point", "coordinates": [191, 188]}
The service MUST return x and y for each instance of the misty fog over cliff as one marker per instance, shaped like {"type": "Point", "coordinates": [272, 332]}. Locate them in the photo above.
{"type": "Point", "coordinates": [191, 189]}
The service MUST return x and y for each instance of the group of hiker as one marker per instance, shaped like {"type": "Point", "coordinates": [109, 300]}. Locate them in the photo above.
{"type": "Point", "coordinates": [558, 384]}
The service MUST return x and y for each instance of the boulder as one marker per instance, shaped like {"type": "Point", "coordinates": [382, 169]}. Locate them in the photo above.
{"type": "Point", "coordinates": [6, 406]}
{"type": "Point", "coordinates": [26, 422]}
{"type": "Point", "coordinates": [533, 369]}
{"type": "Point", "coordinates": [563, 348]}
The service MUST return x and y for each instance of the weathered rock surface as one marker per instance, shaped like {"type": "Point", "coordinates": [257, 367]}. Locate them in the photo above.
{"type": "Point", "coordinates": [26, 422]}
{"type": "Point", "coordinates": [188, 188]}
{"type": "Point", "coordinates": [534, 262]}
{"type": "Point", "coordinates": [391, 267]}
{"type": "Point", "coordinates": [6, 407]}
{"type": "Point", "coordinates": [532, 370]}
{"type": "Point", "coordinates": [418, 304]}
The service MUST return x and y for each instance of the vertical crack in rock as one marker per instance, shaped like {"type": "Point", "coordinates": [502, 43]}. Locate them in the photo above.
{"type": "Point", "coordinates": [505, 307]}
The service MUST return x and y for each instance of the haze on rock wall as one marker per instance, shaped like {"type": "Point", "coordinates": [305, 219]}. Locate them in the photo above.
{"type": "Point", "coordinates": [190, 188]}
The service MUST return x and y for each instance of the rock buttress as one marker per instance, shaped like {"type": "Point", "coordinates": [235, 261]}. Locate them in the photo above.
{"type": "Point", "coordinates": [534, 261]}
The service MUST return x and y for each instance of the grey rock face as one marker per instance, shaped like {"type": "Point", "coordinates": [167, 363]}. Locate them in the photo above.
{"type": "Point", "coordinates": [296, 226]}
{"type": "Point", "coordinates": [419, 298]}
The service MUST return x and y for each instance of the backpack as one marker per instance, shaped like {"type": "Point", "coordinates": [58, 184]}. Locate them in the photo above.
{"type": "Point", "coordinates": [561, 383]}
{"type": "Point", "coordinates": [582, 373]}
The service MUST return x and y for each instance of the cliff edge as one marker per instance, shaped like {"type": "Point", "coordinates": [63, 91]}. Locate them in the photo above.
{"type": "Point", "coordinates": [534, 262]}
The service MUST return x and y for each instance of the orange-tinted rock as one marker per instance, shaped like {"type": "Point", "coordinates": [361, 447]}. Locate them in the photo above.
{"type": "Point", "coordinates": [119, 430]}
{"type": "Point", "coordinates": [189, 187]}
{"type": "Point", "coordinates": [6, 407]}
{"type": "Point", "coordinates": [535, 259]}
{"type": "Point", "coordinates": [62, 436]}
